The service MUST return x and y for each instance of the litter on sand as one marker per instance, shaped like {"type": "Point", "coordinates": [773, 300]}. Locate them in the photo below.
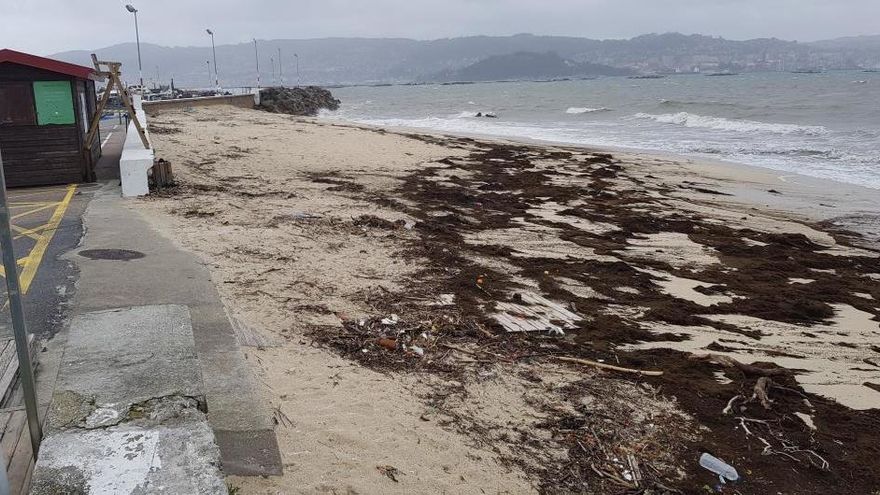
{"type": "Point", "coordinates": [537, 314]}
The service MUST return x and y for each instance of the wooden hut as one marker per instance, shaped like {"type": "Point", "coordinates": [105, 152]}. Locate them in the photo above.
{"type": "Point", "coordinates": [46, 107]}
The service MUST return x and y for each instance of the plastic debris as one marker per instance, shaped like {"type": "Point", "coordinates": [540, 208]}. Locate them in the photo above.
{"type": "Point", "coordinates": [391, 320]}
{"type": "Point", "coordinates": [444, 300]}
{"type": "Point", "coordinates": [725, 471]}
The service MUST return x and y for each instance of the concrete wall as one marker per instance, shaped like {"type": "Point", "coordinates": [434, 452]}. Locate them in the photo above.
{"type": "Point", "coordinates": [136, 161]}
{"type": "Point", "coordinates": [241, 101]}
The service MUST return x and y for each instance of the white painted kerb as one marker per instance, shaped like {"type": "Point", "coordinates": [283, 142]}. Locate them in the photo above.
{"type": "Point", "coordinates": [135, 162]}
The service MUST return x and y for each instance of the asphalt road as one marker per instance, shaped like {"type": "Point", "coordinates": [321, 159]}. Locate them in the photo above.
{"type": "Point", "coordinates": [46, 223]}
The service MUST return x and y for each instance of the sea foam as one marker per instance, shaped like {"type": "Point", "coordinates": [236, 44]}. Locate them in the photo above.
{"type": "Point", "coordinates": [579, 110]}
{"type": "Point", "coordinates": [720, 123]}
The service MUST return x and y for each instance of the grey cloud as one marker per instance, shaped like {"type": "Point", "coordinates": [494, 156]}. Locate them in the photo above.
{"type": "Point", "coordinates": [47, 26]}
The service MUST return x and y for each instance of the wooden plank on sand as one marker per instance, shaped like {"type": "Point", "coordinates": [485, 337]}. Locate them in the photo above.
{"type": "Point", "coordinates": [537, 315]}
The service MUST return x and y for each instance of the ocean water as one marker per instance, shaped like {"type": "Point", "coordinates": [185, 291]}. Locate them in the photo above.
{"type": "Point", "coordinates": [824, 125]}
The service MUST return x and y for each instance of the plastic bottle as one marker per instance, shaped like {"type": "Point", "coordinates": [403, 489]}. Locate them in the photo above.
{"type": "Point", "coordinates": [725, 471]}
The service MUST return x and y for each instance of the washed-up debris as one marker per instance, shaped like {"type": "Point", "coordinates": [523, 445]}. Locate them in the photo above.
{"type": "Point", "coordinates": [304, 215]}
{"type": "Point", "coordinates": [635, 473]}
{"type": "Point", "coordinates": [596, 364]}
{"type": "Point", "coordinates": [279, 418]}
{"type": "Point", "coordinates": [444, 300]}
{"type": "Point", "coordinates": [391, 320]}
{"type": "Point", "coordinates": [390, 471]}
{"type": "Point", "coordinates": [807, 419]}
{"type": "Point", "coordinates": [538, 314]}
{"type": "Point", "coordinates": [725, 471]}
{"type": "Point", "coordinates": [381, 223]}
{"type": "Point", "coordinates": [390, 344]}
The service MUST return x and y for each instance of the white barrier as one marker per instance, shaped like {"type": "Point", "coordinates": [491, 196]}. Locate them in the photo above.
{"type": "Point", "coordinates": [135, 162]}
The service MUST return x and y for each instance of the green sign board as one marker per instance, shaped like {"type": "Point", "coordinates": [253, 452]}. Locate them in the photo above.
{"type": "Point", "coordinates": [54, 102]}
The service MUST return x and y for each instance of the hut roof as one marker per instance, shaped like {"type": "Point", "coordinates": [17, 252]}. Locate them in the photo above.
{"type": "Point", "coordinates": [77, 71]}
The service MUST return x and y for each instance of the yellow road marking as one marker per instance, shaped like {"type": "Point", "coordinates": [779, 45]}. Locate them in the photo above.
{"type": "Point", "coordinates": [19, 262]}
{"type": "Point", "coordinates": [32, 203]}
{"type": "Point", "coordinates": [34, 210]}
{"type": "Point", "coordinates": [33, 233]}
{"type": "Point", "coordinates": [42, 192]}
{"type": "Point", "coordinates": [36, 255]}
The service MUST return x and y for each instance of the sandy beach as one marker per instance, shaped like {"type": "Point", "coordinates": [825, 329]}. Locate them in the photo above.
{"type": "Point", "coordinates": [441, 314]}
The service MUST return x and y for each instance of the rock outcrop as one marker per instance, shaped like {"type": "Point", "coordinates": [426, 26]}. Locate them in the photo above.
{"type": "Point", "coordinates": [306, 100]}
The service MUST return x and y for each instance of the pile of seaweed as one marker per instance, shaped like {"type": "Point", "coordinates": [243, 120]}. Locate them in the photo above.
{"type": "Point", "coordinates": [306, 100]}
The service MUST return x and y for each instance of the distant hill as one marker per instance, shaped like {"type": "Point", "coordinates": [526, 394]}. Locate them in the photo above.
{"type": "Point", "coordinates": [850, 43]}
{"type": "Point", "coordinates": [396, 60]}
{"type": "Point", "coordinates": [527, 66]}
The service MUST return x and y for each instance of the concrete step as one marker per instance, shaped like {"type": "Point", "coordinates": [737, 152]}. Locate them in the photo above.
{"type": "Point", "coordinates": [237, 412]}
{"type": "Point", "coordinates": [128, 411]}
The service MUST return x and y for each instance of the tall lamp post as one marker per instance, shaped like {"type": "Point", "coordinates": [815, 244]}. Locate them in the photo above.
{"type": "Point", "coordinates": [214, 50]}
{"type": "Point", "coordinates": [280, 72]}
{"type": "Point", "coordinates": [257, 58]}
{"type": "Point", "coordinates": [137, 37]}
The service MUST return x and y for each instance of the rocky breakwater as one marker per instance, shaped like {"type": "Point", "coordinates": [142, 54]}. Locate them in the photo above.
{"type": "Point", "coordinates": [297, 101]}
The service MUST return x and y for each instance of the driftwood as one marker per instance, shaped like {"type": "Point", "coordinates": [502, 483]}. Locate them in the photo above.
{"type": "Point", "coordinates": [596, 364]}
{"type": "Point", "coordinates": [760, 392]}
{"type": "Point", "coordinates": [729, 362]}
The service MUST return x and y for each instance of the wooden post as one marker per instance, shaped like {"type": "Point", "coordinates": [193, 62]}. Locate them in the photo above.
{"type": "Point", "coordinates": [113, 79]}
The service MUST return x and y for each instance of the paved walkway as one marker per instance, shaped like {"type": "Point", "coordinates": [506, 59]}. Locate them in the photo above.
{"type": "Point", "coordinates": [46, 222]}
{"type": "Point", "coordinates": [85, 253]}
{"type": "Point", "coordinates": [123, 262]}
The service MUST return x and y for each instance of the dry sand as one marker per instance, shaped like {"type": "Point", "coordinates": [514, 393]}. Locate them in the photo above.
{"type": "Point", "coordinates": [315, 231]}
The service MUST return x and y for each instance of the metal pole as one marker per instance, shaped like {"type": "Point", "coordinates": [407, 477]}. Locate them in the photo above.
{"type": "Point", "coordinates": [296, 56]}
{"type": "Point", "coordinates": [280, 73]}
{"type": "Point", "coordinates": [4, 479]}
{"type": "Point", "coordinates": [18, 325]}
{"type": "Point", "coordinates": [137, 36]}
{"type": "Point", "coordinates": [257, 58]}
{"type": "Point", "coordinates": [214, 50]}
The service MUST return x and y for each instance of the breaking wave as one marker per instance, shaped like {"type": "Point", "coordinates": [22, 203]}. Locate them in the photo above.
{"type": "Point", "coordinates": [580, 110]}
{"type": "Point", "coordinates": [720, 123]}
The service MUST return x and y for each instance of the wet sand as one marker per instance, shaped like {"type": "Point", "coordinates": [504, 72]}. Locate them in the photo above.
{"type": "Point", "coordinates": [379, 268]}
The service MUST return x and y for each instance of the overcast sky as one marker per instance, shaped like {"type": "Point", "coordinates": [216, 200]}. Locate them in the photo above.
{"type": "Point", "coordinates": [49, 26]}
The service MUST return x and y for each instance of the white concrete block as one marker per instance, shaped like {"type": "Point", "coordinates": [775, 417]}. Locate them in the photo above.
{"type": "Point", "coordinates": [134, 166]}
{"type": "Point", "coordinates": [136, 161]}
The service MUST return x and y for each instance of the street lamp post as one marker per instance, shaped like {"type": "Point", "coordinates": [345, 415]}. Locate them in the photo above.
{"type": "Point", "coordinates": [296, 56]}
{"type": "Point", "coordinates": [257, 58]}
{"type": "Point", "coordinates": [280, 72]}
{"type": "Point", "coordinates": [214, 50]}
{"type": "Point", "coordinates": [137, 36]}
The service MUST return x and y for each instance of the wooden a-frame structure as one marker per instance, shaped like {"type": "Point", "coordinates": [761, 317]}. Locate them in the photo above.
{"type": "Point", "coordinates": [112, 75]}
